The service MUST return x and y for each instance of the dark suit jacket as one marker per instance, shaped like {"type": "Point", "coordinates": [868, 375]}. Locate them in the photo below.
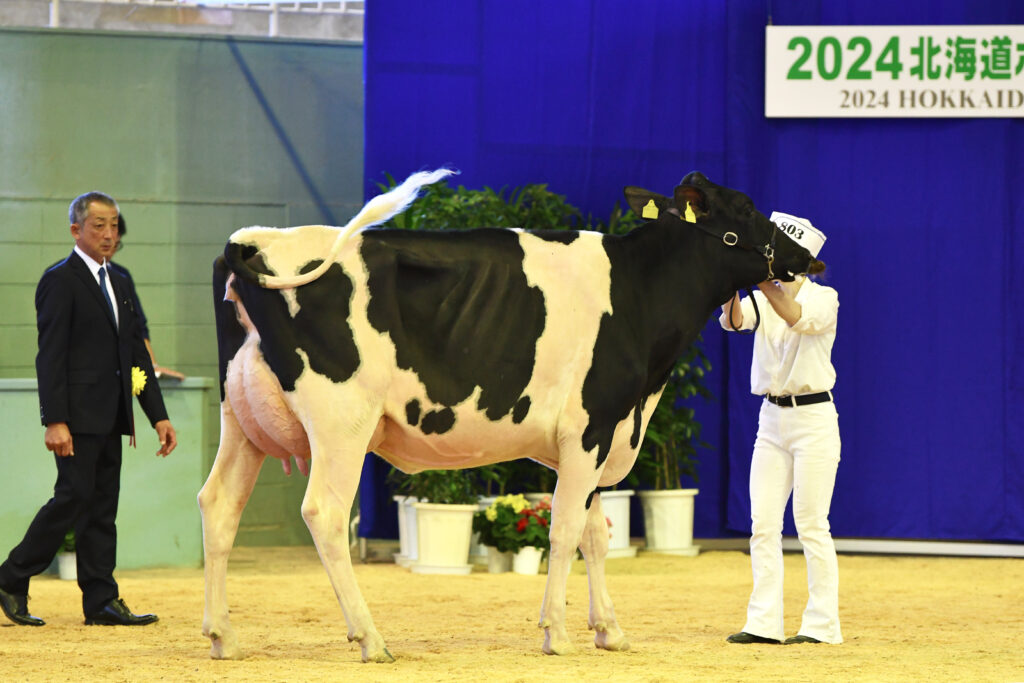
{"type": "Point", "coordinates": [139, 313]}
{"type": "Point", "coordinates": [84, 364]}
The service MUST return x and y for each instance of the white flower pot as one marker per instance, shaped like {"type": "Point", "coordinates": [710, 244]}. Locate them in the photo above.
{"type": "Point", "coordinates": [527, 560]}
{"type": "Point", "coordinates": [411, 532]}
{"type": "Point", "coordinates": [478, 552]}
{"type": "Point", "coordinates": [537, 497]}
{"type": "Point", "coordinates": [67, 566]}
{"type": "Point", "coordinates": [616, 508]}
{"type": "Point", "coordinates": [402, 556]}
{"type": "Point", "coordinates": [443, 535]}
{"type": "Point", "coordinates": [498, 562]}
{"type": "Point", "coordinates": [668, 521]}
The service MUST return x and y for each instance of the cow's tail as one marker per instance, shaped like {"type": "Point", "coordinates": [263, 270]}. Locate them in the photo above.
{"type": "Point", "coordinates": [245, 243]}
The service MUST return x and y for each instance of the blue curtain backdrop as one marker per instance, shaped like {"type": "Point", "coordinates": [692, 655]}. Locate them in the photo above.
{"type": "Point", "coordinates": [923, 216]}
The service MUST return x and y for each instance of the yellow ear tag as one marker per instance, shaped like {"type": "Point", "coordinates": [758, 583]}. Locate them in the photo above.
{"type": "Point", "coordinates": [689, 216]}
{"type": "Point", "coordinates": [650, 210]}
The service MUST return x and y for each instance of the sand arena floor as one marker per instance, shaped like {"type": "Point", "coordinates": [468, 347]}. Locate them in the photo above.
{"type": "Point", "coordinates": [904, 619]}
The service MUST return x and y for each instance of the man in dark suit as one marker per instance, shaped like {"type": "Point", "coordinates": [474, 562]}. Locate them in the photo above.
{"type": "Point", "coordinates": [89, 342]}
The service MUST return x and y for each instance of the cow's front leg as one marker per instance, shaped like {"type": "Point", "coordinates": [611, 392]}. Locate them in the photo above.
{"type": "Point", "coordinates": [333, 480]}
{"type": "Point", "coordinates": [568, 514]}
{"type": "Point", "coordinates": [595, 549]}
{"type": "Point", "coordinates": [221, 501]}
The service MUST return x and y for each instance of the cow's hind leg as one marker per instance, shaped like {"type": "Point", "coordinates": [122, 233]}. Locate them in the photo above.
{"type": "Point", "coordinates": [595, 549]}
{"type": "Point", "coordinates": [221, 501]}
{"type": "Point", "coordinates": [333, 480]}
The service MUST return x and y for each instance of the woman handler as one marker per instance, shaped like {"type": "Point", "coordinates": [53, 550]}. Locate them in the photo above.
{"type": "Point", "coordinates": [797, 445]}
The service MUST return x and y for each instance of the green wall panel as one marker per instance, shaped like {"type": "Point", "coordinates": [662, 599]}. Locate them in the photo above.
{"type": "Point", "coordinates": [19, 309]}
{"type": "Point", "coordinates": [192, 149]}
{"type": "Point", "coordinates": [21, 221]}
{"type": "Point", "coordinates": [158, 521]}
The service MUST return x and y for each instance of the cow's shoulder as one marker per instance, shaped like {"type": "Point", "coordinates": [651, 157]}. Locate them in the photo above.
{"type": "Point", "coordinates": [460, 312]}
{"type": "Point", "coordinates": [651, 269]}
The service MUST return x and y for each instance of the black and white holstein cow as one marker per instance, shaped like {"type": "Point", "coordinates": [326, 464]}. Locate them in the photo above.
{"type": "Point", "coordinates": [453, 349]}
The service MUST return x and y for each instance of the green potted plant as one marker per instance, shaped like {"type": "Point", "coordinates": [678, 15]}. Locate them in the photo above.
{"type": "Point", "coordinates": [444, 502]}
{"type": "Point", "coordinates": [531, 207]}
{"type": "Point", "coordinates": [667, 454]}
{"type": "Point", "coordinates": [516, 530]}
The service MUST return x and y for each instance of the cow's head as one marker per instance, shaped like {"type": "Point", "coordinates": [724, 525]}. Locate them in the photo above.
{"type": "Point", "coordinates": [730, 215]}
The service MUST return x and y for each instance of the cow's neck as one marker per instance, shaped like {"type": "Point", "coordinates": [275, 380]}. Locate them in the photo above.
{"type": "Point", "coordinates": [667, 279]}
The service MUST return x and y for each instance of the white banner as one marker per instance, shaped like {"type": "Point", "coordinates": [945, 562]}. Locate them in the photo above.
{"type": "Point", "coordinates": [894, 71]}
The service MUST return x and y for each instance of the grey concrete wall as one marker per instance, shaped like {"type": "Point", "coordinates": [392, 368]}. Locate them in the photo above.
{"type": "Point", "coordinates": [195, 137]}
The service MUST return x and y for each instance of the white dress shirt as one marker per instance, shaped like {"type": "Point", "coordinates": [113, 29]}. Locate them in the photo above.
{"type": "Point", "coordinates": [94, 268]}
{"type": "Point", "coordinates": [790, 361]}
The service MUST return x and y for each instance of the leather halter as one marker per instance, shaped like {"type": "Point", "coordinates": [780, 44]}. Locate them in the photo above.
{"type": "Point", "coordinates": [731, 239]}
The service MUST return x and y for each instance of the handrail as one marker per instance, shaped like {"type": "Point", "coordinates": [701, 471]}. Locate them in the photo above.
{"type": "Point", "coordinates": [274, 9]}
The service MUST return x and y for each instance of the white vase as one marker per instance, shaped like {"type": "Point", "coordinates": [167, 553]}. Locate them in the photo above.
{"type": "Point", "coordinates": [668, 521]}
{"type": "Point", "coordinates": [527, 560]}
{"type": "Point", "coordinates": [536, 497]}
{"type": "Point", "coordinates": [478, 552]}
{"type": "Point", "coordinates": [411, 531]}
{"type": "Point", "coordinates": [402, 556]}
{"type": "Point", "coordinates": [443, 534]}
{"type": "Point", "coordinates": [67, 566]}
{"type": "Point", "coordinates": [616, 508]}
{"type": "Point", "coordinates": [498, 562]}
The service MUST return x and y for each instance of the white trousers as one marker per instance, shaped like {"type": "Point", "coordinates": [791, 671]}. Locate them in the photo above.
{"type": "Point", "coordinates": [796, 451]}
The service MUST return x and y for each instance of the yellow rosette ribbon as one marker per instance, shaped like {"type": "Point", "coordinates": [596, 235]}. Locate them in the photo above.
{"type": "Point", "coordinates": [138, 380]}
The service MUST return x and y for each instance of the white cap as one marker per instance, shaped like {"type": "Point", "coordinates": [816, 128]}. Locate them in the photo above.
{"type": "Point", "coordinates": [800, 231]}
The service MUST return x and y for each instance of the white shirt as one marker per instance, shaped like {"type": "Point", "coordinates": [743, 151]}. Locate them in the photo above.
{"type": "Point", "coordinates": [789, 361]}
{"type": "Point", "coordinates": [94, 268]}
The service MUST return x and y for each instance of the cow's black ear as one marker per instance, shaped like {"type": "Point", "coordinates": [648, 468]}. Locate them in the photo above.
{"type": "Point", "coordinates": [689, 194]}
{"type": "Point", "coordinates": [646, 204]}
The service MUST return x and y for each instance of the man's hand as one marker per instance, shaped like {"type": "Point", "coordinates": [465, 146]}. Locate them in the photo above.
{"type": "Point", "coordinates": [58, 439]}
{"type": "Point", "coordinates": [168, 439]}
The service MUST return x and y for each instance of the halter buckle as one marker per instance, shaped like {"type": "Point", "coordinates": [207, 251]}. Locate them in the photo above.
{"type": "Point", "coordinates": [727, 236]}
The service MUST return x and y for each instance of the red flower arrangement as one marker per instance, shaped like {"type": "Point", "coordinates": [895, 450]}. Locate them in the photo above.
{"type": "Point", "coordinates": [511, 523]}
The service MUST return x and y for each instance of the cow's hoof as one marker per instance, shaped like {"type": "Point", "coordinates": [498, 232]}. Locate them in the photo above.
{"type": "Point", "coordinates": [561, 646]}
{"type": "Point", "coordinates": [382, 656]}
{"type": "Point", "coordinates": [608, 637]}
{"type": "Point", "coordinates": [224, 648]}
{"type": "Point", "coordinates": [609, 641]}
{"type": "Point", "coordinates": [374, 649]}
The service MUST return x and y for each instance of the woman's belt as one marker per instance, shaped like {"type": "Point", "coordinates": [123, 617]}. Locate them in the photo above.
{"type": "Point", "coordinates": [801, 400]}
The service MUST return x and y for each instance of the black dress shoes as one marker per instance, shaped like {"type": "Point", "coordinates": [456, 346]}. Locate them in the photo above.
{"type": "Point", "coordinates": [796, 640]}
{"type": "Point", "coordinates": [744, 638]}
{"type": "Point", "coordinates": [15, 607]}
{"type": "Point", "coordinates": [116, 613]}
